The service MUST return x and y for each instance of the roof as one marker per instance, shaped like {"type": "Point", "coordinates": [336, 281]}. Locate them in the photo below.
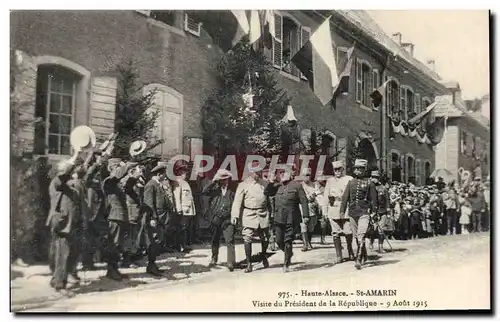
{"type": "Point", "coordinates": [365, 22]}
{"type": "Point", "coordinates": [445, 107]}
{"type": "Point", "coordinates": [451, 84]}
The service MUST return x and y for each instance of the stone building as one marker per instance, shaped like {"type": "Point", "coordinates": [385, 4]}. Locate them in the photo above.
{"type": "Point", "coordinates": [68, 77]}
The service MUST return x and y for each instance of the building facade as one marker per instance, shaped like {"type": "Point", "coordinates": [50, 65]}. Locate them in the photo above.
{"type": "Point", "coordinates": [67, 76]}
{"type": "Point", "coordinates": [466, 141]}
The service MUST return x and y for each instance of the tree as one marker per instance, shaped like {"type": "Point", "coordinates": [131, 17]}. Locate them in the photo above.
{"type": "Point", "coordinates": [231, 126]}
{"type": "Point", "coordinates": [134, 118]}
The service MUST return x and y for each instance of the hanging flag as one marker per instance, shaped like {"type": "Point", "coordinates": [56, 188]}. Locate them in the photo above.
{"type": "Point", "coordinates": [243, 25]}
{"type": "Point", "coordinates": [378, 95]}
{"type": "Point", "coordinates": [435, 131]}
{"type": "Point", "coordinates": [417, 118]}
{"type": "Point", "coordinates": [269, 22]}
{"type": "Point", "coordinates": [316, 62]}
{"type": "Point", "coordinates": [255, 31]}
{"type": "Point", "coordinates": [342, 85]}
{"type": "Point", "coordinates": [290, 115]}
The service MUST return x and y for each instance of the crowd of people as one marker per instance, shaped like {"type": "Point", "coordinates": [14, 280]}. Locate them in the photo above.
{"type": "Point", "coordinates": [128, 212]}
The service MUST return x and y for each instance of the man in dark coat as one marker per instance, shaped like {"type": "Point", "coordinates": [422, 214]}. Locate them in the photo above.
{"type": "Point", "coordinates": [382, 220]}
{"type": "Point", "coordinates": [64, 221]}
{"type": "Point", "coordinates": [159, 208]}
{"type": "Point", "coordinates": [291, 206]}
{"type": "Point", "coordinates": [478, 207]}
{"type": "Point", "coordinates": [361, 196]}
{"type": "Point", "coordinates": [221, 200]}
{"type": "Point", "coordinates": [114, 188]}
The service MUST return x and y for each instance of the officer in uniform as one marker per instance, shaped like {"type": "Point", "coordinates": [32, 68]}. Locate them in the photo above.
{"type": "Point", "coordinates": [381, 220]}
{"type": "Point", "coordinates": [251, 207]}
{"type": "Point", "coordinates": [291, 206]}
{"type": "Point", "coordinates": [158, 208]}
{"type": "Point", "coordinates": [339, 222]}
{"type": "Point", "coordinates": [114, 188]}
{"type": "Point", "coordinates": [361, 196]}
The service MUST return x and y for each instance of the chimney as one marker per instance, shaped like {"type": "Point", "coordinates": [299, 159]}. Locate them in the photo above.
{"type": "Point", "coordinates": [397, 37]}
{"type": "Point", "coordinates": [431, 64]}
{"type": "Point", "coordinates": [409, 47]}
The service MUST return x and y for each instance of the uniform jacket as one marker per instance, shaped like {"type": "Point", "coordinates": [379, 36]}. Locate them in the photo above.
{"type": "Point", "coordinates": [184, 200]}
{"type": "Point", "coordinates": [250, 204]}
{"type": "Point", "coordinates": [361, 196]}
{"type": "Point", "coordinates": [133, 195]}
{"type": "Point", "coordinates": [156, 199]}
{"type": "Point", "coordinates": [335, 187]}
{"type": "Point", "coordinates": [220, 206]}
{"type": "Point", "coordinates": [63, 216]}
{"type": "Point", "coordinates": [288, 197]}
{"type": "Point", "coordinates": [96, 200]}
{"type": "Point", "coordinates": [382, 199]}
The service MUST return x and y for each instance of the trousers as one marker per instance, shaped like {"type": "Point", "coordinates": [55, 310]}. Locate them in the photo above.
{"type": "Point", "coordinates": [359, 226]}
{"type": "Point", "coordinates": [63, 257]}
{"type": "Point", "coordinates": [227, 230]}
{"type": "Point", "coordinates": [116, 234]}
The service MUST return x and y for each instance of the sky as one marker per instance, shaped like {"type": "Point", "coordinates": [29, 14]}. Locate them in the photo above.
{"type": "Point", "coordinates": [458, 41]}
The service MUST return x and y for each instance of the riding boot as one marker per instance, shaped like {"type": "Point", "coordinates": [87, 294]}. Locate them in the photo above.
{"type": "Point", "coordinates": [248, 254]}
{"type": "Point", "coordinates": [263, 254]}
{"type": "Point", "coordinates": [309, 244]}
{"type": "Point", "coordinates": [364, 254]}
{"type": "Point", "coordinates": [348, 239]}
{"type": "Point", "coordinates": [357, 261]}
{"type": "Point", "coordinates": [381, 244]}
{"type": "Point", "coordinates": [305, 240]}
{"type": "Point", "coordinates": [288, 257]}
{"type": "Point", "coordinates": [338, 250]}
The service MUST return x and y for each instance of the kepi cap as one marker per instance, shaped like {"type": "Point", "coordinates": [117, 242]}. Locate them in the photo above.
{"type": "Point", "coordinates": [361, 163]}
{"type": "Point", "coordinates": [338, 164]}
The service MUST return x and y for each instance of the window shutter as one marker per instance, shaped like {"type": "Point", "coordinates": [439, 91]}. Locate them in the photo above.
{"type": "Point", "coordinates": [417, 172]}
{"type": "Point", "coordinates": [359, 81]}
{"type": "Point", "coordinates": [368, 79]}
{"type": "Point", "coordinates": [402, 105]}
{"type": "Point", "coordinates": [191, 25]}
{"type": "Point", "coordinates": [103, 106]}
{"type": "Point", "coordinates": [389, 167]}
{"type": "Point", "coordinates": [342, 149]}
{"type": "Point", "coordinates": [388, 97]}
{"type": "Point", "coordinates": [25, 98]}
{"type": "Point", "coordinates": [277, 41]}
{"type": "Point", "coordinates": [305, 34]}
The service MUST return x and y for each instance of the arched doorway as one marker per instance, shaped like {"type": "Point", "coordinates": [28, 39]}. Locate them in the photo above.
{"type": "Point", "coordinates": [396, 167]}
{"type": "Point", "coordinates": [427, 172]}
{"type": "Point", "coordinates": [367, 151]}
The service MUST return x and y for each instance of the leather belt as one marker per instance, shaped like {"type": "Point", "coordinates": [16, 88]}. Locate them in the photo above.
{"type": "Point", "coordinates": [260, 208]}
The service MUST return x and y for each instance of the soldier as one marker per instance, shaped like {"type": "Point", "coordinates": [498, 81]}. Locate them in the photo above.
{"type": "Point", "coordinates": [311, 190]}
{"type": "Point", "coordinates": [114, 188]}
{"type": "Point", "coordinates": [291, 205]}
{"type": "Point", "coordinates": [251, 207]}
{"type": "Point", "coordinates": [339, 222]}
{"type": "Point", "coordinates": [184, 203]}
{"type": "Point", "coordinates": [382, 221]}
{"type": "Point", "coordinates": [64, 222]}
{"type": "Point", "coordinates": [361, 195]}
{"type": "Point", "coordinates": [158, 208]}
{"type": "Point", "coordinates": [96, 203]}
{"type": "Point", "coordinates": [221, 200]}
{"type": "Point", "coordinates": [133, 192]}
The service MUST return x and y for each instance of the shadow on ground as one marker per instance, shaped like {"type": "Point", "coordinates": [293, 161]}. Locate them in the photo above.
{"type": "Point", "coordinates": [105, 284]}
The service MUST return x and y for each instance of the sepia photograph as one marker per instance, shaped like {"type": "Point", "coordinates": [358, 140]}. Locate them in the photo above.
{"type": "Point", "coordinates": [250, 161]}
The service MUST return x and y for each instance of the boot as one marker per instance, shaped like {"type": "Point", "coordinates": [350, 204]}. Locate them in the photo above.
{"type": "Point", "coordinates": [381, 245]}
{"type": "Point", "coordinates": [357, 260]}
{"type": "Point", "coordinates": [263, 254]}
{"type": "Point", "coordinates": [248, 254]}
{"type": "Point", "coordinates": [338, 250]}
{"type": "Point", "coordinates": [215, 255]}
{"type": "Point", "coordinates": [309, 244]}
{"type": "Point", "coordinates": [113, 273]}
{"type": "Point", "coordinates": [348, 239]}
{"type": "Point", "coordinates": [364, 254]}
{"type": "Point", "coordinates": [305, 240]}
{"type": "Point", "coordinates": [230, 257]}
{"type": "Point", "coordinates": [288, 258]}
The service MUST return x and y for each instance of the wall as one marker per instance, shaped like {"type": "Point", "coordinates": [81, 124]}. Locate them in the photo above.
{"type": "Point", "coordinates": [448, 150]}
{"type": "Point", "coordinates": [99, 40]}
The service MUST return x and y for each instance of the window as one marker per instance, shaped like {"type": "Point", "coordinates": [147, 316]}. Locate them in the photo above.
{"type": "Point", "coordinates": [363, 82]}
{"type": "Point", "coordinates": [392, 94]}
{"type": "Point", "coordinates": [291, 45]}
{"type": "Point", "coordinates": [417, 172]}
{"type": "Point", "coordinates": [375, 82]}
{"type": "Point", "coordinates": [168, 127]}
{"type": "Point", "coordinates": [418, 104]}
{"type": "Point", "coordinates": [192, 25]}
{"type": "Point", "coordinates": [411, 169]}
{"type": "Point", "coordinates": [165, 16]}
{"type": "Point", "coordinates": [407, 105]}
{"type": "Point", "coordinates": [55, 103]}
{"type": "Point", "coordinates": [290, 37]}
{"type": "Point", "coordinates": [395, 166]}
{"type": "Point", "coordinates": [427, 172]}
{"type": "Point", "coordinates": [463, 143]}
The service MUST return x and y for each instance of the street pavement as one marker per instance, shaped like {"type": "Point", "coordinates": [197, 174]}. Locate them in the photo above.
{"type": "Point", "coordinates": [451, 272]}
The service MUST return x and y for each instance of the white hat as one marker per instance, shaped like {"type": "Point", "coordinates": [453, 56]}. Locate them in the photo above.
{"type": "Point", "coordinates": [338, 164]}
{"type": "Point", "coordinates": [223, 174]}
{"type": "Point", "coordinates": [81, 137]}
{"type": "Point", "coordinates": [360, 163]}
{"type": "Point", "coordinates": [137, 147]}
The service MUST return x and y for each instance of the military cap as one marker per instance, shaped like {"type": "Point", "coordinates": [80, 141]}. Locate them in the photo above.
{"type": "Point", "coordinates": [375, 173]}
{"type": "Point", "coordinates": [362, 163]}
{"type": "Point", "coordinates": [338, 164]}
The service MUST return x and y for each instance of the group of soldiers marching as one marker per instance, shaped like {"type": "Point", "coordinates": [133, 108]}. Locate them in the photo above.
{"type": "Point", "coordinates": [116, 207]}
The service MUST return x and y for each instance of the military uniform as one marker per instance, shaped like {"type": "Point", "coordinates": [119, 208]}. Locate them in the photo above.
{"type": "Point", "coordinates": [251, 205]}
{"type": "Point", "coordinates": [382, 222]}
{"type": "Point", "coordinates": [361, 196]}
{"type": "Point", "coordinates": [221, 200]}
{"type": "Point", "coordinates": [338, 219]}
{"type": "Point", "coordinates": [133, 192]}
{"type": "Point", "coordinates": [114, 189]}
{"type": "Point", "coordinates": [288, 197]}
